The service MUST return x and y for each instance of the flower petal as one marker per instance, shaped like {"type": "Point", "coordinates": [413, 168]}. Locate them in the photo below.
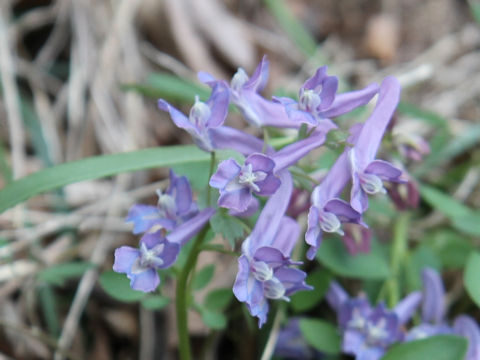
{"type": "Point", "coordinates": [218, 103]}
{"type": "Point", "coordinates": [227, 170]}
{"type": "Point", "coordinates": [313, 236]}
{"type": "Point", "coordinates": [407, 307]}
{"type": "Point", "coordinates": [433, 304]}
{"type": "Point", "coordinates": [178, 117]}
{"type": "Point", "coordinates": [225, 137]}
{"type": "Point", "coordinates": [346, 102]}
{"type": "Point", "coordinates": [287, 235]}
{"type": "Point", "coordinates": [384, 170]}
{"type": "Point", "coordinates": [240, 287]}
{"type": "Point", "coordinates": [146, 281]}
{"type": "Point", "coordinates": [336, 296]}
{"type": "Point", "coordinates": [237, 199]}
{"type": "Point", "coordinates": [184, 232]}
{"type": "Point", "coordinates": [259, 78]}
{"type": "Point", "coordinates": [466, 326]}
{"type": "Point", "coordinates": [125, 256]}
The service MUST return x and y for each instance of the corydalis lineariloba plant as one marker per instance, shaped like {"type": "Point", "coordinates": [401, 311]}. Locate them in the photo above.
{"type": "Point", "coordinates": [265, 270]}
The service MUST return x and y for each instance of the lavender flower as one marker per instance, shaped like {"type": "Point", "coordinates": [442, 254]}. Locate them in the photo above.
{"type": "Point", "coordinates": [318, 101]}
{"type": "Point", "coordinates": [156, 251]}
{"type": "Point", "coordinates": [328, 211]}
{"type": "Point", "coordinates": [369, 331]}
{"type": "Point", "coordinates": [203, 116]}
{"type": "Point", "coordinates": [238, 182]}
{"type": "Point", "coordinates": [245, 95]}
{"type": "Point", "coordinates": [265, 270]}
{"type": "Point", "coordinates": [368, 173]}
{"type": "Point", "coordinates": [173, 207]}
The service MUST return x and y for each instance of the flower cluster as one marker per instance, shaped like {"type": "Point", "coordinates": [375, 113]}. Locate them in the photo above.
{"type": "Point", "coordinates": [175, 212]}
{"type": "Point", "coordinates": [266, 270]}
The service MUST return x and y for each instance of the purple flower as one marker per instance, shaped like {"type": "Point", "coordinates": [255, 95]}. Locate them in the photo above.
{"type": "Point", "coordinates": [174, 206]}
{"type": "Point", "coordinates": [156, 251]}
{"type": "Point", "coordinates": [291, 343]}
{"type": "Point", "coordinates": [265, 270]}
{"type": "Point", "coordinates": [245, 95]}
{"type": "Point", "coordinates": [357, 239]}
{"type": "Point", "coordinates": [466, 326]}
{"type": "Point", "coordinates": [318, 101]}
{"type": "Point", "coordinates": [369, 331]}
{"type": "Point", "coordinates": [328, 211]}
{"type": "Point", "coordinates": [238, 182]}
{"type": "Point", "coordinates": [203, 116]}
{"type": "Point", "coordinates": [368, 173]}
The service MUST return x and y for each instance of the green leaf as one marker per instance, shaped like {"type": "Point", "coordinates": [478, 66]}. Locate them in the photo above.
{"type": "Point", "coordinates": [425, 115]}
{"type": "Point", "coordinates": [335, 257]}
{"type": "Point", "coordinates": [470, 277]}
{"type": "Point", "coordinates": [118, 287]}
{"type": "Point", "coordinates": [97, 167]}
{"type": "Point", "coordinates": [321, 335]}
{"type": "Point", "coordinates": [441, 347]}
{"type": "Point", "coordinates": [171, 88]}
{"type": "Point", "coordinates": [213, 319]}
{"type": "Point", "coordinates": [295, 30]}
{"type": "Point", "coordinates": [58, 274]}
{"type": "Point", "coordinates": [228, 226]}
{"type": "Point", "coordinates": [305, 300]}
{"type": "Point", "coordinates": [469, 224]}
{"type": "Point", "coordinates": [443, 202]}
{"type": "Point", "coordinates": [218, 299]}
{"type": "Point", "coordinates": [203, 277]}
{"type": "Point", "coordinates": [155, 302]}
{"type": "Point", "coordinates": [475, 9]}
{"type": "Point", "coordinates": [451, 247]}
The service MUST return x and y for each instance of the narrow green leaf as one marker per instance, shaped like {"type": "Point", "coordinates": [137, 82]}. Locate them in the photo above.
{"type": "Point", "coordinates": [305, 300]}
{"type": "Point", "coordinates": [97, 167]}
{"type": "Point", "coordinates": [5, 169]}
{"type": "Point", "coordinates": [58, 274]}
{"type": "Point", "coordinates": [203, 277]}
{"type": "Point", "coordinates": [171, 88]}
{"type": "Point", "coordinates": [155, 302]}
{"type": "Point", "coordinates": [451, 247]}
{"type": "Point", "coordinates": [48, 305]}
{"type": "Point", "coordinates": [335, 257]}
{"type": "Point", "coordinates": [470, 277]}
{"type": "Point", "coordinates": [441, 347]}
{"type": "Point", "coordinates": [469, 224]}
{"type": "Point", "coordinates": [218, 299]}
{"type": "Point", "coordinates": [321, 335]}
{"type": "Point", "coordinates": [425, 115]}
{"type": "Point", "coordinates": [118, 287]}
{"type": "Point", "coordinates": [294, 29]}
{"type": "Point", "coordinates": [443, 202]}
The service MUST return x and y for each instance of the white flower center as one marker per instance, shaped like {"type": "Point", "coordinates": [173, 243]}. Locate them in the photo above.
{"type": "Point", "coordinates": [199, 114]}
{"type": "Point", "coordinates": [166, 204]}
{"type": "Point", "coordinates": [371, 184]}
{"type": "Point", "coordinates": [376, 332]}
{"type": "Point", "coordinates": [357, 321]}
{"type": "Point", "coordinates": [262, 271]}
{"type": "Point", "coordinates": [330, 223]}
{"type": "Point", "coordinates": [249, 178]}
{"type": "Point", "coordinates": [239, 79]}
{"type": "Point", "coordinates": [309, 101]}
{"type": "Point", "coordinates": [274, 289]}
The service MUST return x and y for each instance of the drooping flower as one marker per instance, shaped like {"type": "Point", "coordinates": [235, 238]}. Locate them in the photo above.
{"type": "Point", "coordinates": [203, 116]}
{"type": "Point", "coordinates": [369, 331]}
{"type": "Point", "coordinates": [356, 238]}
{"type": "Point", "coordinates": [405, 195]}
{"type": "Point", "coordinates": [368, 174]}
{"type": "Point", "coordinates": [173, 207]}
{"type": "Point", "coordinates": [319, 102]}
{"type": "Point", "coordinates": [328, 211]}
{"type": "Point", "coordinates": [265, 269]}
{"type": "Point", "coordinates": [245, 95]}
{"type": "Point", "coordinates": [156, 251]}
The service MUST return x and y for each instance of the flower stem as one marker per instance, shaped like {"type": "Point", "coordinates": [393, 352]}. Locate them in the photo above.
{"type": "Point", "coordinates": [210, 173]}
{"type": "Point", "coordinates": [398, 256]}
{"type": "Point", "coordinates": [183, 297]}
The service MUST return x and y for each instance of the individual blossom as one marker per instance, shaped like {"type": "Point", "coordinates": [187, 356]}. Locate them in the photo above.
{"type": "Point", "coordinates": [368, 173]}
{"type": "Point", "coordinates": [174, 206]}
{"type": "Point", "coordinates": [156, 251]}
{"type": "Point", "coordinates": [265, 268]}
{"type": "Point", "coordinates": [328, 211]}
{"type": "Point", "coordinates": [410, 145]}
{"type": "Point", "coordinates": [203, 116]}
{"type": "Point", "coordinates": [405, 195]}
{"type": "Point", "coordinates": [369, 331]}
{"type": "Point", "coordinates": [237, 183]}
{"type": "Point", "coordinates": [292, 345]}
{"type": "Point", "coordinates": [245, 95]}
{"type": "Point", "coordinates": [319, 102]}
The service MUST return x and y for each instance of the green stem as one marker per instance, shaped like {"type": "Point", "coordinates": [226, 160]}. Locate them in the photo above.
{"type": "Point", "coordinates": [210, 173]}
{"type": "Point", "coordinates": [398, 256]}
{"type": "Point", "coordinates": [183, 297]}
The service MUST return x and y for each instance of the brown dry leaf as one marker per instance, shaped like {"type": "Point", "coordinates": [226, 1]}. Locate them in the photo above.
{"type": "Point", "coordinates": [382, 38]}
